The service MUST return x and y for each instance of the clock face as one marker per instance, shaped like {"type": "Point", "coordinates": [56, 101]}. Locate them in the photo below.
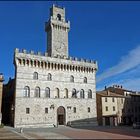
{"type": "Point", "coordinates": [59, 47]}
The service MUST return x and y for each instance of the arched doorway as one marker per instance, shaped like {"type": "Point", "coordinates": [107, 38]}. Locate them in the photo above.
{"type": "Point", "coordinates": [61, 115]}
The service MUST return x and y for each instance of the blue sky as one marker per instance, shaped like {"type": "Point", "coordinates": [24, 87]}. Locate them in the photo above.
{"type": "Point", "coordinates": [108, 32]}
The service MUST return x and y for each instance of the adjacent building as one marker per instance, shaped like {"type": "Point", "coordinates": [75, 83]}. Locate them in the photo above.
{"type": "Point", "coordinates": [115, 106]}
{"type": "Point", "coordinates": [109, 108]}
{"type": "Point", "coordinates": [135, 104]}
{"type": "Point", "coordinates": [1, 90]}
{"type": "Point", "coordinates": [8, 102]}
{"type": "Point", "coordinates": [53, 88]}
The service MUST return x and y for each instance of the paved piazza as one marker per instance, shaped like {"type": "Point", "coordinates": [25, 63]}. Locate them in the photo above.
{"type": "Point", "coordinates": [63, 132]}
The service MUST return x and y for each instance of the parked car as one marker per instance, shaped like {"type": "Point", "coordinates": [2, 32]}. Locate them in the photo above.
{"type": "Point", "coordinates": [136, 125]}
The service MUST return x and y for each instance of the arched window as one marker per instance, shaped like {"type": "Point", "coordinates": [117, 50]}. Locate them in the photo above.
{"type": "Point", "coordinates": [35, 76]}
{"type": "Point", "coordinates": [35, 63]}
{"type": "Point", "coordinates": [64, 67]}
{"type": "Point", "coordinates": [58, 66]}
{"type": "Point", "coordinates": [38, 63]}
{"type": "Point", "coordinates": [26, 91]}
{"type": "Point", "coordinates": [88, 109]}
{"type": "Point", "coordinates": [19, 61]}
{"type": "Point", "coordinates": [51, 65]}
{"type": "Point", "coordinates": [31, 62]}
{"type": "Point", "coordinates": [71, 78]}
{"type": "Point", "coordinates": [48, 65]}
{"type": "Point", "coordinates": [67, 67]}
{"type": "Point", "coordinates": [89, 93]}
{"type": "Point", "coordinates": [61, 67]}
{"type": "Point", "coordinates": [42, 64]}
{"type": "Point", "coordinates": [45, 64]}
{"type": "Point", "coordinates": [55, 66]}
{"type": "Point", "coordinates": [85, 79]}
{"type": "Point", "coordinates": [49, 78]}
{"type": "Point", "coordinates": [59, 16]}
{"type": "Point", "coordinates": [70, 67]}
{"type": "Point", "coordinates": [82, 95]}
{"type": "Point", "coordinates": [74, 109]}
{"type": "Point", "coordinates": [23, 61]}
{"type": "Point", "coordinates": [74, 94]}
{"type": "Point", "coordinates": [37, 92]}
{"type": "Point", "coordinates": [56, 93]}
{"type": "Point", "coordinates": [27, 62]}
{"type": "Point", "coordinates": [65, 93]}
{"type": "Point", "coordinates": [47, 92]}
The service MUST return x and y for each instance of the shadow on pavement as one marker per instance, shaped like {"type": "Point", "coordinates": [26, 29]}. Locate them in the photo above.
{"type": "Point", "coordinates": [122, 130]}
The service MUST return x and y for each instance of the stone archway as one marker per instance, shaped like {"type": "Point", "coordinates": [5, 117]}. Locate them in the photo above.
{"type": "Point", "coordinates": [61, 116]}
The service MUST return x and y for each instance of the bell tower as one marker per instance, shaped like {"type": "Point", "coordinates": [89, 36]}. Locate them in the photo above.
{"type": "Point", "coordinates": [57, 29]}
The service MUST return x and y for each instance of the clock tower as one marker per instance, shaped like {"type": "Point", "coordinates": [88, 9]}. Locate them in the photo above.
{"type": "Point", "coordinates": [57, 29]}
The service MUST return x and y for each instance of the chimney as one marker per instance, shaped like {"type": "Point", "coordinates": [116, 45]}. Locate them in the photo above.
{"type": "Point", "coordinates": [108, 93]}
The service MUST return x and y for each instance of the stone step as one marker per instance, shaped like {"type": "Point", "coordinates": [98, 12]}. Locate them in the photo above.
{"type": "Point", "coordinates": [86, 120]}
{"type": "Point", "coordinates": [82, 125]}
{"type": "Point", "coordinates": [36, 126]}
{"type": "Point", "coordinates": [83, 122]}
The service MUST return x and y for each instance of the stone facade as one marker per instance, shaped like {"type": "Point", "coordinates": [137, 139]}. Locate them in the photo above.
{"type": "Point", "coordinates": [57, 32]}
{"type": "Point", "coordinates": [54, 81]}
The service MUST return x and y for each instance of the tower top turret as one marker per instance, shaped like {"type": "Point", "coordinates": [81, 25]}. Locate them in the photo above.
{"type": "Point", "coordinates": [57, 13]}
{"type": "Point", "coordinates": [57, 29]}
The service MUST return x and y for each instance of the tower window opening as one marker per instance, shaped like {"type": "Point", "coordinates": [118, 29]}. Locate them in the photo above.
{"type": "Point", "coordinates": [59, 16]}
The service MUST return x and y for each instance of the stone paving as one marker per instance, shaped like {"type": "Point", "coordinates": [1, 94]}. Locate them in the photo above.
{"type": "Point", "coordinates": [8, 134]}
{"type": "Point", "coordinates": [63, 132]}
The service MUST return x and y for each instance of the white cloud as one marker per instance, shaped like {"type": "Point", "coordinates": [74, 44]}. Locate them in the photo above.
{"type": "Point", "coordinates": [130, 84]}
{"type": "Point", "coordinates": [129, 80]}
{"type": "Point", "coordinates": [126, 63]}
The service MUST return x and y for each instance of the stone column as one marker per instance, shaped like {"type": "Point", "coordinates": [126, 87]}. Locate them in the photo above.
{"type": "Point", "coordinates": [103, 121]}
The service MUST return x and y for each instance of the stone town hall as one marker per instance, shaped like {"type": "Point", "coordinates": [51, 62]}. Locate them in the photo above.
{"type": "Point", "coordinates": [53, 88]}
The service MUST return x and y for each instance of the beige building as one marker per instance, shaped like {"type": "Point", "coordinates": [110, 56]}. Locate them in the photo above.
{"type": "Point", "coordinates": [110, 108]}
{"type": "Point", "coordinates": [1, 90]}
{"type": "Point", "coordinates": [53, 88]}
{"type": "Point", "coordinates": [128, 112]}
{"type": "Point", "coordinates": [116, 105]}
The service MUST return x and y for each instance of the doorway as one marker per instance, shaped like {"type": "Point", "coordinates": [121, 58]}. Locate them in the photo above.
{"type": "Point", "coordinates": [61, 115]}
{"type": "Point", "coordinates": [107, 120]}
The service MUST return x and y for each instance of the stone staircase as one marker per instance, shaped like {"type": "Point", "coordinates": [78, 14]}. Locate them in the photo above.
{"type": "Point", "coordinates": [83, 123]}
{"type": "Point", "coordinates": [38, 125]}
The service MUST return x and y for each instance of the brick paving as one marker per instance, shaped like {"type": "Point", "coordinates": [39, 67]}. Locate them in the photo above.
{"type": "Point", "coordinates": [93, 134]}
{"type": "Point", "coordinates": [63, 132]}
{"type": "Point", "coordinates": [100, 133]}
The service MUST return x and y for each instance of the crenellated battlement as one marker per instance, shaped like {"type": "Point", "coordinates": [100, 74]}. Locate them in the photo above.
{"type": "Point", "coordinates": [57, 56]}
{"type": "Point", "coordinates": [43, 60]}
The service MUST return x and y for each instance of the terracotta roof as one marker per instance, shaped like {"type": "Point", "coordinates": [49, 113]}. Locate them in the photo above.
{"type": "Point", "coordinates": [118, 90]}
{"type": "Point", "coordinates": [109, 94]}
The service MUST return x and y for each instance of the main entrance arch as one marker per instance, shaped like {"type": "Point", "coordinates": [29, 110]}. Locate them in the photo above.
{"type": "Point", "coordinates": [61, 115]}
